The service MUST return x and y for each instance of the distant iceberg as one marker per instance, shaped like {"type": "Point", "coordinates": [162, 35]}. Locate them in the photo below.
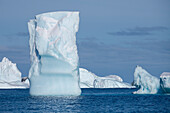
{"type": "Point", "coordinates": [10, 76]}
{"type": "Point", "coordinates": [165, 82]}
{"type": "Point", "coordinates": [90, 80]}
{"type": "Point", "coordinates": [110, 83]}
{"type": "Point", "coordinates": [147, 83]}
{"type": "Point", "coordinates": [86, 78]}
{"type": "Point", "coordinates": [54, 59]}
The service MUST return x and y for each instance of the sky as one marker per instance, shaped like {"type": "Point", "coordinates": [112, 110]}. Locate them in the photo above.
{"type": "Point", "coordinates": [114, 35]}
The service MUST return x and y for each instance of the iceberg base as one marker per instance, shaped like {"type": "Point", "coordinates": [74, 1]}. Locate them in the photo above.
{"type": "Point", "coordinates": [57, 84]}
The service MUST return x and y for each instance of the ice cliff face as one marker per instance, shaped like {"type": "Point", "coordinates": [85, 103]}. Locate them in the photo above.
{"type": "Point", "coordinates": [90, 80]}
{"type": "Point", "coordinates": [10, 76]}
{"type": "Point", "coordinates": [86, 78]}
{"type": "Point", "coordinates": [165, 82]}
{"type": "Point", "coordinates": [53, 50]}
{"type": "Point", "coordinates": [147, 83]}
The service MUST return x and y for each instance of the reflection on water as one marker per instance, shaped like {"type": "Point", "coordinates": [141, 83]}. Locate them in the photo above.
{"type": "Point", "coordinates": [91, 100]}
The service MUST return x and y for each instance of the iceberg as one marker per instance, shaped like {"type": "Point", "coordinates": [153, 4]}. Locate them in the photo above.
{"type": "Point", "coordinates": [87, 78]}
{"type": "Point", "coordinates": [165, 82]}
{"type": "Point", "coordinates": [147, 83]}
{"type": "Point", "coordinates": [54, 60]}
{"type": "Point", "coordinates": [90, 80]}
{"type": "Point", "coordinates": [10, 76]}
{"type": "Point", "coordinates": [110, 83]}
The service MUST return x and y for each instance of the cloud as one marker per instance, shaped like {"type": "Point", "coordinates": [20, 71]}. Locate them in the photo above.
{"type": "Point", "coordinates": [129, 33]}
{"type": "Point", "coordinates": [91, 39]}
{"type": "Point", "coordinates": [149, 29]}
{"type": "Point", "coordinates": [158, 46]}
{"type": "Point", "coordinates": [19, 54]}
{"type": "Point", "coordinates": [15, 35]}
{"type": "Point", "coordinates": [22, 34]}
{"type": "Point", "coordinates": [139, 31]}
{"type": "Point", "coordinates": [95, 53]}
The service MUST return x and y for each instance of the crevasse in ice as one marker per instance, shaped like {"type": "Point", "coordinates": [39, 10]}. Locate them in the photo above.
{"type": "Point", "coordinates": [90, 80]}
{"type": "Point", "coordinates": [165, 82]}
{"type": "Point", "coordinates": [53, 50]}
{"type": "Point", "coordinates": [147, 83]}
{"type": "Point", "coordinates": [10, 76]}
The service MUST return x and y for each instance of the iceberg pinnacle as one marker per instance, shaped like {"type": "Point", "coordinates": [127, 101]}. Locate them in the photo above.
{"type": "Point", "coordinates": [54, 59]}
{"type": "Point", "coordinates": [8, 71]}
{"type": "Point", "coordinates": [147, 83]}
{"type": "Point", "coordinates": [10, 76]}
{"type": "Point", "coordinates": [165, 82]}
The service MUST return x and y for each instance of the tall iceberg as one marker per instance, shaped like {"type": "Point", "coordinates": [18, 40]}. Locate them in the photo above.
{"type": "Point", "coordinates": [165, 82]}
{"type": "Point", "coordinates": [54, 59]}
{"type": "Point", "coordinates": [147, 83]}
{"type": "Point", "coordinates": [90, 80]}
{"type": "Point", "coordinates": [10, 76]}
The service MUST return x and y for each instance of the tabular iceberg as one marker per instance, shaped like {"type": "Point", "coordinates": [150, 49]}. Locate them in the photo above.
{"type": "Point", "coordinates": [147, 83]}
{"type": "Point", "coordinates": [165, 82]}
{"type": "Point", "coordinates": [90, 80]}
{"type": "Point", "coordinates": [10, 76]}
{"type": "Point", "coordinates": [53, 50]}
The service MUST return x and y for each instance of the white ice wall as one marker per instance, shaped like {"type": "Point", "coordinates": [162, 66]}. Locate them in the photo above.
{"type": "Point", "coordinates": [10, 76]}
{"type": "Point", "coordinates": [165, 82]}
{"type": "Point", "coordinates": [148, 84]}
{"type": "Point", "coordinates": [53, 50]}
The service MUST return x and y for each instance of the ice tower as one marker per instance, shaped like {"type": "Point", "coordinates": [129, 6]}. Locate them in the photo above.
{"type": "Point", "coordinates": [147, 83]}
{"type": "Point", "coordinates": [165, 82]}
{"type": "Point", "coordinates": [54, 59]}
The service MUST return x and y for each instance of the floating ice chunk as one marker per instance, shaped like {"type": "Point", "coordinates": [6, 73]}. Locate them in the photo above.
{"type": "Point", "coordinates": [147, 83]}
{"type": "Point", "coordinates": [165, 82]}
{"type": "Point", "coordinates": [10, 76]}
{"type": "Point", "coordinates": [53, 50]}
{"type": "Point", "coordinates": [90, 80]}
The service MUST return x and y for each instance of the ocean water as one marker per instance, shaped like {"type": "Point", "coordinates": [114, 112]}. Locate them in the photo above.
{"type": "Point", "coordinates": [91, 100]}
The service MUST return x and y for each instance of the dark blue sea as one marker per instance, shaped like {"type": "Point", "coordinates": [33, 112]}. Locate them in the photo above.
{"type": "Point", "coordinates": [91, 100]}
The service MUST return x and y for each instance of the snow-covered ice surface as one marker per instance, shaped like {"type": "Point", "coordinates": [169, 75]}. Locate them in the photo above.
{"type": "Point", "coordinates": [10, 76]}
{"type": "Point", "coordinates": [90, 80]}
{"type": "Point", "coordinates": [53, 50]}
{"type": "Point", "coordinates": [165, 82]}
{"type": "Point", "coordinates": [115, 77]}
{"type": "Point", "coordinates": [110, 83]}
{"type": "Point", "coordinates": [147, 83]}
